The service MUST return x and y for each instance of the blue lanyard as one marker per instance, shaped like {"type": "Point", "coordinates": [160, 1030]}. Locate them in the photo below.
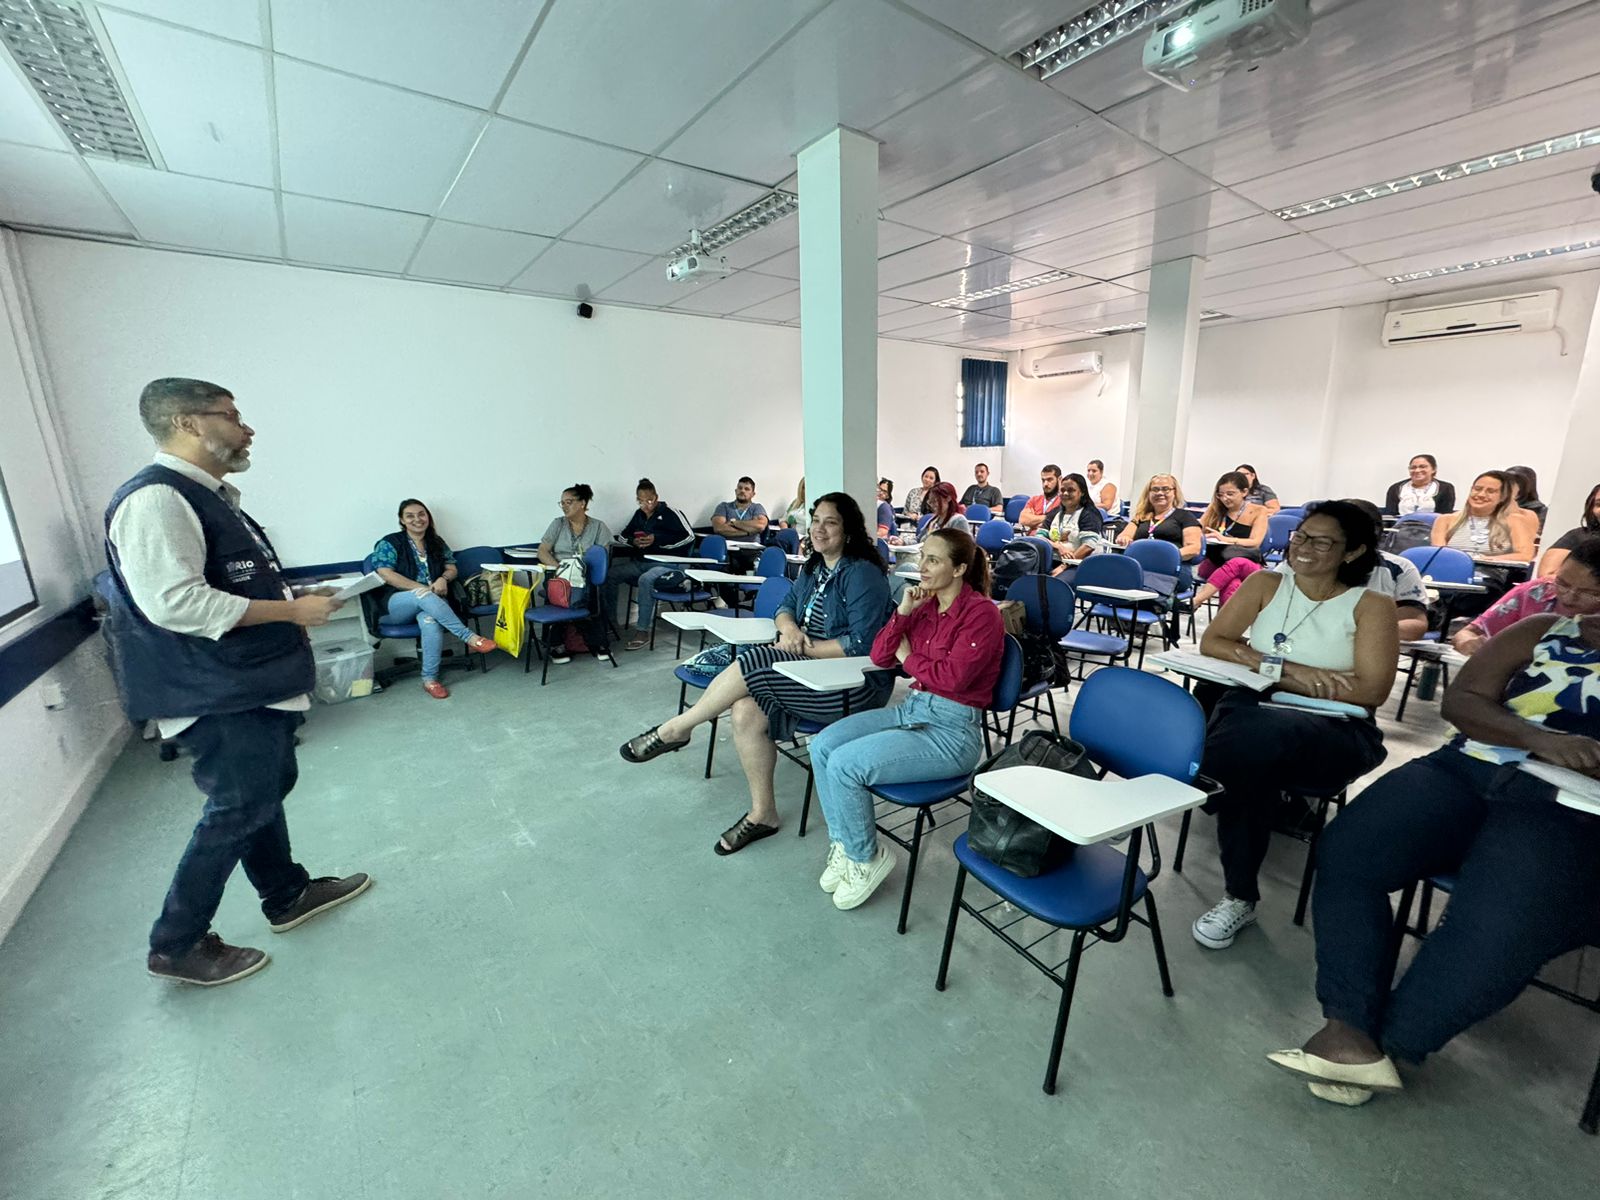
{"type": "Point", "coordinates": [816, 596]}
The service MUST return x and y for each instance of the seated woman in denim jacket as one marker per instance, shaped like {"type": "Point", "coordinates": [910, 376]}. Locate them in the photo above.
{"type": "Point", "coordinates": [417, 564]}
{"type": "Point", "coordinates": [834, 610]}
{"type": "Point", "coordinates": [947, 635]}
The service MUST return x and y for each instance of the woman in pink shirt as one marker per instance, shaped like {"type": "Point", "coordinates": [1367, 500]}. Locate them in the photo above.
{"type": "Point", "coordinates": [947, 635]}
{"type": "Point", "coordinates": [1574, 592]}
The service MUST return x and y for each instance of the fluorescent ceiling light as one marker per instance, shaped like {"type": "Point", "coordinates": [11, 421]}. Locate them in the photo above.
{"type": "Point", "coordinates": [1018, 285]}
{"type": "Point", "coordinates": [1098, 26]}
{"type": "Point", "coordinates": [1502, 261]}
{"type": "Point", "coordinates": [1135, 326]}
{"type": "Point", "coordinates": [774, 206]}
{"type": "Point", "coordinates": [1458, 170]}
{"type": "Point", "coordinates": [56, 47]}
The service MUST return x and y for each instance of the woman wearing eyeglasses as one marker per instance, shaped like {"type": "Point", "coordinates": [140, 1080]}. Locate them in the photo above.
{"type": "Point", "coordinates": [1315, 628]}
{"type": "Point", "coordinates": [1574, 592]}
{"type": "Point", "coordinates": [572, 535]}
{"type": "Point", "coordinates": [1159, 513]}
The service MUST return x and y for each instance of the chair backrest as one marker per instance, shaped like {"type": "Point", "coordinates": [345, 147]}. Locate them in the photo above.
{"type": "Point", "coordinates": [1291, 510]}
{"type": "Point", "coordinates": [1419, 518]}
{"type": "Point", "coordinates": [789, 541]}
{"type": "Point", "coordinates": [992, 535]}
{"type": "Point", "coordinates": [977, 512]}
{"type": "Point", "coordinates": [1109, 571]}
{"type": "Point", "coordinates": [596, 565]}
{"type": "Point", "coordinates": [770, 595]}
{"type": "Point", "coordinates": [922, 522]}
{"type": "Point", "coordinates": [885, 553]}
{"type": "Point", "coordinates": [772, 563]}
{"type": "Point", "coordinates": [1443, 563]}
{"type": "Point", "coordinates": [1014, 507]}
{"type": "Point", "coordinates": [1133, 723]}
{"type": "Point", "coordinates": [713, 546]}
{"type": "Point", "coordinates": [469, 562]}
{"type": "Point", "coordinates": [1154, 555]}
{"type": "Point", "coordinates": [1008, 687]}
{"type": "Point", "coordinates": [1034, 593]}
{"type": "Point", "coordinates": [1279, 527]}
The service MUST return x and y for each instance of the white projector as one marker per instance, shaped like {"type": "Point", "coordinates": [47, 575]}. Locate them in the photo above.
{"type": "Point", "coordinates": [697, 265]}
{"type": "Point", "coordinates": [1217, 37]}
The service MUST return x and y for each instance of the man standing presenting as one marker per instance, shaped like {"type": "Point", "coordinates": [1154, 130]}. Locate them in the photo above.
{"type": "Point", "coordinates": [742, 519]}
{"type": "Point", "coordinates": [207, 640]}
{"type": "Point", "coordinates": [1041, 506]}
{"type": "Point", "coordinates": [981, 492]}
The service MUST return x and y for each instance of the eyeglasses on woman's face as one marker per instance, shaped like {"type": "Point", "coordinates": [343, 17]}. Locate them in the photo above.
{"type": "Point", "coordinates": [1159, 489]}
{"type": "Point", "coordinates": [1320, 544]}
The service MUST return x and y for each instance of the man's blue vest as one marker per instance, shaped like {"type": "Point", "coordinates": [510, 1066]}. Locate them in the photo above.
{"type": "Point", "coordinates": [165, 674]}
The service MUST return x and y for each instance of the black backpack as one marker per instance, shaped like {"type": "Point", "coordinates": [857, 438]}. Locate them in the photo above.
{"type": "Point", "coordinates": [1406, 535]}
{"type": "Point", "coordinates": [1043, 659]}
{"type": "Point", "coordinates": [1004, 836]}
{"type": "Point", "coordinates": [1015, 560]}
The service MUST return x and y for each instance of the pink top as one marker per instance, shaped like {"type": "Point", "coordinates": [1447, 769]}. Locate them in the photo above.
{"type": "Point", "coordinates": [954, 654]}
{"type": "Point", "coordinates": [1531, 599]}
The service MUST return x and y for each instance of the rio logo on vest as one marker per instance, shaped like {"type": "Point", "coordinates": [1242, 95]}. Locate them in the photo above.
{"type": "Point", "coordinates": [240, 569]}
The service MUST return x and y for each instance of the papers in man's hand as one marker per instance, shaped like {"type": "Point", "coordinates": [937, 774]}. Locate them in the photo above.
{"type": "Point", "coordinates": [365, 584]}
{"type": "Point", "coordinates": [1581, 791]}
{"type": "Point", "coordinates": [1217, 670]}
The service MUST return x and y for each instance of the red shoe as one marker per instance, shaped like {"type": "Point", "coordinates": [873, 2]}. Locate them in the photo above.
{"type": "Point", "coordinates": [481, 645]}
{"type": "Point", "coordinates": [436, 689]}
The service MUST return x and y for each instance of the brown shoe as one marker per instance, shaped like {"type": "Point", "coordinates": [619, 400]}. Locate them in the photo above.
{"type": "Point", "coordinates": [320, 895]}
{"type": "Point", "coordinates": [208, 963]}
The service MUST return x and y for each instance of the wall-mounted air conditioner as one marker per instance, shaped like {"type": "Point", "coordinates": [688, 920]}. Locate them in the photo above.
{"type": "Point", "coordinates": [1037, 365]}
{"type": "Point", "coordinates": [1529, 312]}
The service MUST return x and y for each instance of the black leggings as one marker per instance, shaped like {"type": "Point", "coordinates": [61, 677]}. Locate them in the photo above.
{"type": "Point", "coordinates": [1527, 890]}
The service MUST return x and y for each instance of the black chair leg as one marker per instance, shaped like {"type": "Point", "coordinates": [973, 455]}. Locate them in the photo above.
{"type": "Point", "coordinates": [711, 749]}
{"type": "Point", "coordinates": [1310, 871]}
{"type": "Point", "coordinates": [1161, 947]}
{"type": "Point", "coordinates": [805, 809]}
{"type": "Point", "coordinates": [950, 928]}
{"type": "Point", "coordinates": [1055, 721]}
{"type": "Point", "coordinates": [1183, 840]}
{"type": "Point", "coordinates": [1068, 985]}
{"type": "Point", "coordinates": [1405, 692]}
{"type": "Point", "coordinates": [911, 869]}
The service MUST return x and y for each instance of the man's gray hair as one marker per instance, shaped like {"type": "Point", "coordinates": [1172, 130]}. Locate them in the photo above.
{"type": "Point", "coordinates": [164, 399]}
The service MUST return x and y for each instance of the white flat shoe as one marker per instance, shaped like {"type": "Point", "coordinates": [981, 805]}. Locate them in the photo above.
{"type": "Point", "coordinates": [1379, 1076]}
{"type": "Point", "coordinates": [1341, 1093]}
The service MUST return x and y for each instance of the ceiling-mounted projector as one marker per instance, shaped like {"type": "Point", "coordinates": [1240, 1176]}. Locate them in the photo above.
{"type": "Point", "coordinates": [1213, 39]}
{"type": "Point", "coordinates": [695, 263]}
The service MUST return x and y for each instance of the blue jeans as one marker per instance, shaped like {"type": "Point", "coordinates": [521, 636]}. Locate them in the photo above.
{"type": "Point", "coordinates": [650, 580]}
{"type": "Point", "coordinates": [244, 763]}
{"type": "Point", "coordinates": [927, 737]}
{"type": "Point", "coordinates": [433, 616]}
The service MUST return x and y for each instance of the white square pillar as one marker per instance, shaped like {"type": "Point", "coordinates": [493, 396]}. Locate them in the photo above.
{"type": "Point", "coordinates": [1166, 379]}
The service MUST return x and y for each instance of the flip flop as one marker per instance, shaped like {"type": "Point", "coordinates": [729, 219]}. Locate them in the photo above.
{"type": "Point", "coordinates": [1379, 1076]}
{"type": "Point", "coordinates": [648, 745]}
{"type": "Point", "coordinates": [743, 832]}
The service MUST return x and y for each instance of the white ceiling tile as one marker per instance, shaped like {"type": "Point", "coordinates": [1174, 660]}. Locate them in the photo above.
{"type": "Point", "coordinates": [1112, 309]}
{"type": "Point", "coordinates": [1173, 227]}
{"type": "Point", "coordinates": [1109, 76]}
{"type": "Point", "coordinates": [923, 262]}
{"type": "Point", "coordinates": [780, 308]}
{"type": "Point", "coordinates": [459, 49]}
{"type": "Point", "coordinates": [1566, 222]}
{"type": "Point", "coordinates": [955, 326]}
{"type": "Point", "coordinates": [1035, 303]}
{"type": "Point", "coordinates": [1292, 247]}
{"type": "Point", "coordinates": [856, 64]}
{"type": "Point", "coordinates": [1004, 28]}
{"type": "Point", "coordinates": [977, 120]}
{"type": "Point", "coordinates": [905, 318]}
{"type": "Point", "coordinates": [22, 116]}
{"type": "Point", "coordinates": [693, 48]}
{"type": "Point", "coordinates": [469, 254]}
{"type": "Point", "coordinates": [333, 233]}
{"type": "Point", "coordinates": [992, 272]}
{"type": "Point", "coordinates": [347, 139]}
{"type": "Point", "coordinates": [533, 180]}
{"type": "Point", "coordinates": [1221, 295]}
{"type": "Point", "coordinates": [1512, 239]}
{"type": "Point", "coordinates": [200, 214]}
{"type": "Point", "coordinates": [1083, 155]}
{"type": "Point", "coordinates": [236, 19]}
{"type": "Point", "coordinates": [739, 291]}
{"type": "Point", "coordinates": [52, 189]}
{"type": "Point", "coordinates": [892, 239]}
{"type": "Point", "coordinates": [655, 210]}
{"type": "Point", "coordinates": [567, 267]}
{"type": "Point", "coordinates": [228, 137]}
{"type": "Point", "coordinates": [1159, 185]}
{"type": "Point", "coordinates": [1221, 281]}
{"type": "Point", "coordinates": [781, 237]}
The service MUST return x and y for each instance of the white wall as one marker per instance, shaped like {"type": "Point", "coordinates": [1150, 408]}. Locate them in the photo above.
{"type": "Point", "coordinates": [53, 758]}
{"type": "Point", "coordinates": [364, 391]}
{"type": "Point", "coordinates": [1072, 418]}
{"type": "Point", "coordinates": [1320, 407]}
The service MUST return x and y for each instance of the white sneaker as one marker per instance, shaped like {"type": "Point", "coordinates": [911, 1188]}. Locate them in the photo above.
{"type": "Point", "coordinates": [860, 880]}
{"type": "Point", "coordinates": [834, 871]}
{"type": "Point", "coordinates": [560, 656]}
{"type": "Point", "coordinates": [718, 602]}
{"type": "Point", "coordinates": [1216, 929]}
{"type": "Point", "coordinates": [602, 656]}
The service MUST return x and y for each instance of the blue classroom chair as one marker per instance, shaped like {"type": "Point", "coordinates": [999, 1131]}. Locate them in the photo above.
{"type": "Point", "coordinates": [596, 562]}
{"type": "Point", "coordinates": [713, 546]}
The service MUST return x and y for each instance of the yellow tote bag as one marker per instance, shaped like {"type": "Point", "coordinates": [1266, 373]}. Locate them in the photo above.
{"type": "Point", "coordinates": [509, 624]}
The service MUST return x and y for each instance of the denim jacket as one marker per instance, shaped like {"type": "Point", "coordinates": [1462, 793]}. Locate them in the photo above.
{"type": "Point", "coordinates": [854, 608]}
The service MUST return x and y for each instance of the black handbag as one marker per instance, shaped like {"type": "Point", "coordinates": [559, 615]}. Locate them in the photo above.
{"type": "Point", "coordinates": [1004, 836]}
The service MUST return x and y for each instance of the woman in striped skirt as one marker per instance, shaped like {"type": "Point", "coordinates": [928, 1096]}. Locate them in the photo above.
{"type": "Point", "coordinates": [834, 610]}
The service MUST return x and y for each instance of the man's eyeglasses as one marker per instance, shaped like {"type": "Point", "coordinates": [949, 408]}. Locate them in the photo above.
{"type": "Point", "coordinates": [220, 412]}
{"type": "Point", "coordinates": [1320, 544]}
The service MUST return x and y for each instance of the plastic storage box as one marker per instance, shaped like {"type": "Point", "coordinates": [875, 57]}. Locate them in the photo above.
{"type": "Point", "coordinates": [344, 671]}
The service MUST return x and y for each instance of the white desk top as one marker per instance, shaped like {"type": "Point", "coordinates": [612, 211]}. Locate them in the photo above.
{"type": "Point", "coordinates": [1513, 563]}
{"type": "Point", "coordinates": [1132, 595]}
{"type": "Point", "coordinates": [796, 558]}
{"type": "Point", "coordinates": [700, 575]}
{"type": "Point", "coordinates": [828, 674]}
{"type": "Point", "coordinates": [536, 568]}
{"type": "Point", "coordinates": [678, 558]}
{"type": "Point", "coordinates": [1216, 670]}
{"type": "Point", "coordinates": [741, 631]}
{"type": "Point", "coordinates": [745, 545]}
{"type": "Point", "coordinates": [1086, 811]}
{"type": "Point", "coordinates": [1444, 585]}
{"type": "Point", "coordinates": [907, 548]}
{"type": "Point", "coordinates": [521, 552]}
{"type": "Point", "coordinates": [908, 573]}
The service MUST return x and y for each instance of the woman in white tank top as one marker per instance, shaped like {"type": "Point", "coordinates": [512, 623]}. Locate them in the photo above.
{"type": "Point", "coordinates": [1323, 635]}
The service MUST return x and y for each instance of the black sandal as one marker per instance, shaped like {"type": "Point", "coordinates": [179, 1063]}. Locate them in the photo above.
{"type": "Point", "coordinates": [648, 745]}
{"type": "Point", "coordinates": [741, 835]}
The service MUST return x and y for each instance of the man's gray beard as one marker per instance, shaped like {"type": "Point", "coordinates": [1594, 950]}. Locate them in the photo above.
{"type": "Point", "coordinates": [233, 460]}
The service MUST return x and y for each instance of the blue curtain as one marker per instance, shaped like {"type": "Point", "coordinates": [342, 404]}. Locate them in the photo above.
{"type": "Point", "coordinates": [983, 413]}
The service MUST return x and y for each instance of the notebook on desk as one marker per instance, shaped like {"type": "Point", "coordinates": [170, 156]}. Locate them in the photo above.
{"type": "Point", "coordinates": [1217, 670]}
